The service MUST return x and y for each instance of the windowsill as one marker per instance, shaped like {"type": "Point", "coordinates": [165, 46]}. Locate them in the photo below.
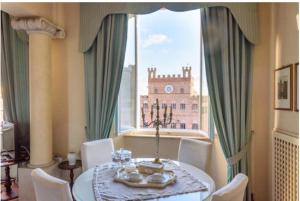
{"type": "Point", "coordinates": [168, 133]}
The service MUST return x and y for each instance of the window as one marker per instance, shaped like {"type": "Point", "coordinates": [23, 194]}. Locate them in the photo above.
{"type": "Point", "coordinates": [194, 126]}
{"type": "Point", "coordinates": [154, 40]}
{"type": "Point", "coordinates": [173, 105]}
{"type": "Point", "coordinates": [164, 105]}
{"type": "Point", "coordinates": [194, 106]}
{"type": "Point", "coordinates": [182, 125]}
{"type": "Point", "coordinates": [206, 118]}
{"type": "Point", "coordinates": [173, 125]}
{"type": "Point", "coordinates": [1, 106]}
{"type": "Point", "coordinates": [125, 116]}
{"type": "Point", "coordinates": [182, 106]}
{"type": "Point", "coordinates": [145, 106]}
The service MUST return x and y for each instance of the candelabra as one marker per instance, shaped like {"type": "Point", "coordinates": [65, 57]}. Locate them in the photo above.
{"type": "Point", "coordinates": [167, 119]}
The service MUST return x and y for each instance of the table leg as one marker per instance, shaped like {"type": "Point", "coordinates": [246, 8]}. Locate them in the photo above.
{"type": "Point", "coordinates": [8, 193]}
{"type": "Point", "coordinates": [7, 180]}
{"type": "Point", "coordinates": [71, 178]}
{"type": "Point", "coordinates": [72, 182]}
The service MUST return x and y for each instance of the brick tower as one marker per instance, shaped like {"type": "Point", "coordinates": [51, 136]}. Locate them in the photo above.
{"type": "Point", "coordinates": [176, 91]}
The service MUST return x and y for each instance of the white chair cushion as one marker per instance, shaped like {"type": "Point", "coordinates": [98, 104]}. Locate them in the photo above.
{"type": "Point", "coordinates": [96, 152]}
{"type": "Point", "coordinates": [194, 152]}
{"type": "Point", "coordinates": [234, 191]}
{"type": "Point", "coordinates": [49, 188]}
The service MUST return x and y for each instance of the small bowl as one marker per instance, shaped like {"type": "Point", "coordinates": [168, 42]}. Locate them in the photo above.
{"type": "Point", "coordinates": [134, 176]}
{"type": "Point", "coordinates": [156, 178]}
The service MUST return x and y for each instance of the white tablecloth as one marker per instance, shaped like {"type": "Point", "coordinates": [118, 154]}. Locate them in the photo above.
{"type": "Point", "coordinates": [83, 188]}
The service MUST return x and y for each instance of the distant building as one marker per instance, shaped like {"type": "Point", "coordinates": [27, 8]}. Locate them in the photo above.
{"type": "Point", "coordinates": [127, 96]}
{"type": "Point", "coordinates": [178, 92]}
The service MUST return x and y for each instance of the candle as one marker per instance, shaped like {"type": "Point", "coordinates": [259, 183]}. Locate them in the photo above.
{"type": "Point", "coordinates": [171, 113]}
{"type": "Point", "coordinates": [143, 114]}
{"type": "Point", "coordinates": [166, 110]}
{"type": "Point", "coordinates": [151, 112]}
{"type": "Point", "coordinates": [165, 115]}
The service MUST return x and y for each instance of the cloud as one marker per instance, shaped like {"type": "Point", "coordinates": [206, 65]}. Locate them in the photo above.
{"type": "Point", "coordinates": [156, 39]}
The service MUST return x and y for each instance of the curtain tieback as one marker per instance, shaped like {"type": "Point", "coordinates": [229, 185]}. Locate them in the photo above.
{"type": "Point", "coordinates": [238, 156]}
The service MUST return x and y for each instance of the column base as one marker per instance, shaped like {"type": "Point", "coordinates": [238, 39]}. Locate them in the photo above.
{"type": "Point", "coordinates": [41, 165]}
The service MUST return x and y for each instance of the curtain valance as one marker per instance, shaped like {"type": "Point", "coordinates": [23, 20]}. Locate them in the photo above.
{"type": "Point", "coordinates": [92, 15]}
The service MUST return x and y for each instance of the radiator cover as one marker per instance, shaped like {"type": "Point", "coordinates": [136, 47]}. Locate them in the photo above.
{"type": "Point", "coordinates": [285, 163]}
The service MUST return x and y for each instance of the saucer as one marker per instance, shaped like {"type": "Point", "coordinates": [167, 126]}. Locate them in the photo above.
{"type": "Point", "coordinates": [134, 177]}
{"type": "Point", "coordinates": [156, 178]}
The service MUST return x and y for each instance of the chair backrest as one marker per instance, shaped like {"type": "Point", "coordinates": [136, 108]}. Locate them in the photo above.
{"type": "Point", "coordinates": [194, 152]}
{"type": "Point", "coordinates": [234, 191]}
{"type": "Point", "coordinates": [49, 188]}
{"type": "Point", "coordinates": [96, 152]}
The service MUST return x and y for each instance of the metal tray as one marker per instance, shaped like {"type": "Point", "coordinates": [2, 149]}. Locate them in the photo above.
{"type": "Point", "coordinates": [122, 177]}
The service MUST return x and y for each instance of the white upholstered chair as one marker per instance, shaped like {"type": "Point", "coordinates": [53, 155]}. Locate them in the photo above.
{"type": "Point", "coordinates": [194, 152]}
{"type": "Point", "coordinates": [234, 191]}
{"type": "Point", "coordinates": [49, 188]}
{"type": "Point", "coordinates": [96, 152]}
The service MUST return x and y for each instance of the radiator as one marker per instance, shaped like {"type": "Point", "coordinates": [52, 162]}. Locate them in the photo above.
{"type": "Point", "coordinates": [285, 165]}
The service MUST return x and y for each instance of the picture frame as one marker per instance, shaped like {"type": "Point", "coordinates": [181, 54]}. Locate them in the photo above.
{"type": "Point", "coordinates": [283, 88]}
{"type": "Point", "coordinates": [296, 88]}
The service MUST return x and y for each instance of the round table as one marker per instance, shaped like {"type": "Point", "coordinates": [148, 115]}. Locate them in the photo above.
{"type": "Point", "coordinates": [83, 190]}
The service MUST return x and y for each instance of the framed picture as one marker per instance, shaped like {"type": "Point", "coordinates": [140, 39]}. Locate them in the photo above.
{"type": "Point", "coordinates": [296, 87]}
{"type": "Point", "coordinates": [283, 83]}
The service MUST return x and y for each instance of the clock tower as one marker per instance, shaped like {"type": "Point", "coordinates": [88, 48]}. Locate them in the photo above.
{"type": "Point", "coordinates": [176, 91]}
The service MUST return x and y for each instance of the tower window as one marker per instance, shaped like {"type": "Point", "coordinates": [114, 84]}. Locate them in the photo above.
{"type": "Point", "coordinates": [173, 125]}
{"type": "Point", "coordinates": [182, 106]}
{"type": "Point", "coordinates": [195, 126]}
{"type": "Point", "coordinates": [182, 125]}
{"type": "Point", "coordinates": [194, 106]}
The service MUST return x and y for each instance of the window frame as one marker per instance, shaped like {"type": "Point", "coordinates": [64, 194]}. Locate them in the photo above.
{"type": "Point", "coordinates": [211, 126]}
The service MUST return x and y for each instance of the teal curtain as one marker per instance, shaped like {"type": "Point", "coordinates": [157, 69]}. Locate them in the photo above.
{"type": "Point", "coordinates": [15, 81]}
{"type": "Point", "coordinates": [228, 62]}
{"type": "Point", "coordinates": [103, 71]}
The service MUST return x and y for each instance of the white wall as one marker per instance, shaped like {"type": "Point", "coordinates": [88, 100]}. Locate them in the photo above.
{"type": "Point", "coordinates": [284, 50]}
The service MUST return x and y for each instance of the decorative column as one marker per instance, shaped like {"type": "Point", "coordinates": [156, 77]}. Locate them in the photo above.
{"type": "Point", "coordinates": [40, 33]}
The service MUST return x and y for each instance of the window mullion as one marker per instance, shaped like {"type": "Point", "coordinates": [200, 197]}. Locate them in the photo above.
{"type": "Point", "coordinates": [200, 77]}
{"type": "Point", "coordinates": [136, 55]}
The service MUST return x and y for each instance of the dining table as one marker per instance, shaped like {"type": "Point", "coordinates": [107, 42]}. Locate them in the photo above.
{"type": "Point", "coordinates": [83, 185]}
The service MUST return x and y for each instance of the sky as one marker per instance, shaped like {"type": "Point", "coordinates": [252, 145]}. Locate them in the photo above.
{"type": "Point", "coordinates": [167, 40]}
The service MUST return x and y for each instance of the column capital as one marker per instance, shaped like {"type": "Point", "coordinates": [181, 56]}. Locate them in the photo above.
{"type": "Point", "coordinates": [38, 25]}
